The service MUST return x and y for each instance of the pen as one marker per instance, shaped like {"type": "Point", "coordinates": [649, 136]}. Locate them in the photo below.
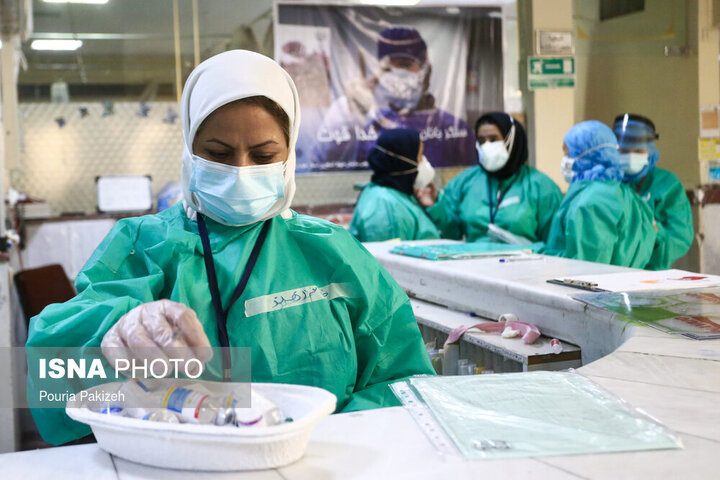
{"type": "Point", "coordinates": [521, 259]}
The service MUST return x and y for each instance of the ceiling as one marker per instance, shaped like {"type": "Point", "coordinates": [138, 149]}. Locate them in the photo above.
{"type": "Point", "coordinates": [131, 41]}
{"type": "Point", "coordinates": [128, 45]}
{"type": "Point", "coordinates": [142, 27]}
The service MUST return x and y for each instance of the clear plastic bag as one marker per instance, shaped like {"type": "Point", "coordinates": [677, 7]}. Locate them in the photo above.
{"type": "Point", "coordinates": [536, 414]}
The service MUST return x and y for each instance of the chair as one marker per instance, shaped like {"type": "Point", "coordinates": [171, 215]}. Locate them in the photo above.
{"type": "Point", "coordinates": [39, 287]}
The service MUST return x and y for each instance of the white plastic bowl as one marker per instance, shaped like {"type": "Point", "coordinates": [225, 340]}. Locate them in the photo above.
{"type": "Point", "coordinates": [211, 447]}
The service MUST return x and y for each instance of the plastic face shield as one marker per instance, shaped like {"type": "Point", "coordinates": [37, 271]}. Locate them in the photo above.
{"type": "Point", "coordinates": [634, 132]}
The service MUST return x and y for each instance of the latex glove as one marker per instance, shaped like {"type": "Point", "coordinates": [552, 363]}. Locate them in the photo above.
{"type": "Point", "coordinates": [361, 100]}
{"type": "Point", "coordinates": [529, 332]}
{"type": "Point", "coordinates": [162, 329]}
{"type": "Point", "coordinates": [427, 196]}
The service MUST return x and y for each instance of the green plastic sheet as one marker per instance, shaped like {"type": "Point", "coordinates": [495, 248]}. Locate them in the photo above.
{"type": "Point", "coordinates": [537, 414]}
{"type": "Point", "coordinates": [460, 251]}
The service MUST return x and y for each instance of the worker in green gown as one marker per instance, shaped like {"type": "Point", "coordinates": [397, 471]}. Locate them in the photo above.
{"type": "Point", "coordinates": [659, 188]}
{"type": "Point", "coordinates": [601, 218]}
{"type": "Point", "coordinates": [387, 208]}
{"type": "Point", "coordinates": [314, 307]}
{"type": "Point", "coordinates": [501, 190]}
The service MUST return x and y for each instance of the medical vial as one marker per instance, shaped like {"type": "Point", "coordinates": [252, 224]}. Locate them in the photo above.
{"type": "Point", "coordinates": [261, 413]}
{"type": "Point", "coordinates": [270, 417]}
{"type": "Point", "coordinates": [161, 415]}
{"type": "Point", "coordinates": [199, 407]}
{"type": "Point", "coordinates": [461, 368]}
{"type": "Point", "coordinates": [110, 410]}
{"type": "Point", "coordinates": [555, 345]}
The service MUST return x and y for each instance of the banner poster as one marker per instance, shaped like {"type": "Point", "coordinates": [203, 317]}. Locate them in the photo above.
{"type": "Point", "coordinates": [361, 69]}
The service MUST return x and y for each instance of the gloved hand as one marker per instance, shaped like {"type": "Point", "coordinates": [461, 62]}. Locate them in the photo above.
{"type": "Point", "coordinates": [427, 196]}
{"type": "Point", "coordinates": [361, 100]}
{"type": "Point", "coordinates": [162, 329]}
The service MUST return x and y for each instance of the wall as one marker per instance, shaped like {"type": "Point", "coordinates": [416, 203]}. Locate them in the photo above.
{"type": "Point", "coordinates": [59, 164]}
{"type": "Point", "coordinates": [662, 63]}
{"type": "Point", "coordinates": [621, 66]}
{"type": "Point", "coordinates": [549, 111]}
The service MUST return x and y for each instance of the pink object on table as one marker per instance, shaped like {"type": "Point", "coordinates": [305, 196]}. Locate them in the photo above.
{"type": "Point", "coordinates": [529, 333]}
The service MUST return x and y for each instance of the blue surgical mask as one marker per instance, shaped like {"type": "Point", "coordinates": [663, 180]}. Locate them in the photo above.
{"type": "Point", "coordinates": [632, 162]}
{"type": "Point", "coordinates": [236, 195]}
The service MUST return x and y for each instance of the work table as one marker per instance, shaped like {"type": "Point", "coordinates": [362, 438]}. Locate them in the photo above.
{"type": "Point", "coordinates": [674, 379]}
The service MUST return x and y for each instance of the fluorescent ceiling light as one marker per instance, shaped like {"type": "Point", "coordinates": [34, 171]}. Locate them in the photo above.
{"type": "Point", "coordinates": [95, 2]}
{"type": "Point", "coordinates": [56, 44]}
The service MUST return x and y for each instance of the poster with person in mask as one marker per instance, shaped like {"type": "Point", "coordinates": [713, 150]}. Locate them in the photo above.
{"type": "Point", "coordinates": [388, 68]}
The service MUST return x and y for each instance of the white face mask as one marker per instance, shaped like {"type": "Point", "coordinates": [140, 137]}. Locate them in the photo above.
{"type": "Point", "coordinates": [492, 155]}
{"type": "Point", "coordinates": [401, 88]}
{"type": "Point", "coordinates": [632, 162]}
{"type": "Point", "coordinates": [566, 166]}
{"type": "Point", "coordinates": [425, 175]}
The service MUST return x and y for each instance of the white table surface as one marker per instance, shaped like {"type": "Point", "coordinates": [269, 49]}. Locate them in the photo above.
{"type": "Point", "coordinates": [676, 380]}
{"type": "Point", "coordinates": [490, 288]}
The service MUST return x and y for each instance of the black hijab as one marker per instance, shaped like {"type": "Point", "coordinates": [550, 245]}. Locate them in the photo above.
{"type": "Point", "coordinates": [394, 153]}
{"type": "Point", "coordinates": [519, 151]}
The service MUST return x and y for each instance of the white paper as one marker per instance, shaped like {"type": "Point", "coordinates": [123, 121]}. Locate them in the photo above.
{"type": "Point", "coordinates": [649, 280]}
{"type": "Point", "coordinates": [124, 193]}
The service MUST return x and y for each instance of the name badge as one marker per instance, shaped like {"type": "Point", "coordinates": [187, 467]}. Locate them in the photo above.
{"type": "Point", "coordinates": [298, 296]}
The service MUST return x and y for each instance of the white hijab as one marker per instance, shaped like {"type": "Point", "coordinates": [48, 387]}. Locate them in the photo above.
{"type": "Point", "coordinates": [227, 77]}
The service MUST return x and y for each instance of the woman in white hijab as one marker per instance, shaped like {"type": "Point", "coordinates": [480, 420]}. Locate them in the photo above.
{"type": "Point", "coordinates": [232, 266]}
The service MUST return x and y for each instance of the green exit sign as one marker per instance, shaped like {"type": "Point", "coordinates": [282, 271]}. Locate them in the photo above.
{"type": "Point", "coordinates": [551, 72]}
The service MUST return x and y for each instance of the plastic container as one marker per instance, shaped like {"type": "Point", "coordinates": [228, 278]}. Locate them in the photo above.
{"type": "Point", "coordinates": [211, 447]}
{"type": "Point", "coordinates": [450, 359]}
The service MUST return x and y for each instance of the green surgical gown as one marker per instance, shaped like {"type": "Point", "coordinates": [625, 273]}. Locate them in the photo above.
{"type": "Point", "coordinates": [383, 213]}
{"type": "Point", "coordinates": [604, 222]}
{"type": "Point", "coordinates": [353, 344]}
{"type": "Point", "coordinates": [666, 196]}
{"type": "Point", "coordinates": [527, 207]}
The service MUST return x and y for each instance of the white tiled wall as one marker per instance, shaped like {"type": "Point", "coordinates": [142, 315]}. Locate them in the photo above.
{"type": "Point", "coordinates": [59, 164]}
